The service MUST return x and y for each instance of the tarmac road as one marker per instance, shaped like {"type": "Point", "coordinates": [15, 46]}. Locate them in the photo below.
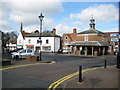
{"type": "Point", "coordinates": [41, 76]}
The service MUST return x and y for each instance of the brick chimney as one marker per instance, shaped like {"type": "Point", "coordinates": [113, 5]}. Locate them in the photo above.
{"type": "Point", "coordinates": [74, 30]}
{"type": "Point", "coordinates": [54, 31]}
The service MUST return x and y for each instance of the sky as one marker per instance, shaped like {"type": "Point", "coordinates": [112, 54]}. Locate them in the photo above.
{"type": "Point", "coordinates": [64, 16]}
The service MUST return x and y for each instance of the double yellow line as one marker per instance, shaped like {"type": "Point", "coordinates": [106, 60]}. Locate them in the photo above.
{"type": "Point", "coordinates": [54, 85]}
{"type": "Point", "coordinates": [25, 65]}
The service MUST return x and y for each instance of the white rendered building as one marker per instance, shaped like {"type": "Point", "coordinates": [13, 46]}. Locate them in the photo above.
{"type": "Point", "coordinates": [50, 41]}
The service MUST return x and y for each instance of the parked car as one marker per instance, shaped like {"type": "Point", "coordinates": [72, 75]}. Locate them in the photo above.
{"type": "Point", "coordinates": [15, 50]}
{"type": "Point", "coordinates": [22, 53]}
{"type": "Point", "coordinates": [65, 51]}
{"type": "Point", "coordinates": [60, 50]}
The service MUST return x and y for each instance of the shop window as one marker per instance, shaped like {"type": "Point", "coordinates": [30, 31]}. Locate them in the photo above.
{"type": "Point", "coordinates": [46, 48]}
{"type": "Point", "coordinates": [30, 47]}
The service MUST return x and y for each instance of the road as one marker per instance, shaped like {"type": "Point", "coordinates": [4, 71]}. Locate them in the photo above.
{"type": "Point", "coordinates": [41, 76]}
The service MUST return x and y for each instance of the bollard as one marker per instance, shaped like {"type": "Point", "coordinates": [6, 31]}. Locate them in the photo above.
{"type": "Point", "coordinates": [105, 64]}
{"type": "Point", "coordinates": [118, 60]}
{"type": "Point", "coordinates": [80, 73]}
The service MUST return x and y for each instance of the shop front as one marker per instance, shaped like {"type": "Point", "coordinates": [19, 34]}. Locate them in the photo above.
{"type": "Point", "coordinates": [30, 46]}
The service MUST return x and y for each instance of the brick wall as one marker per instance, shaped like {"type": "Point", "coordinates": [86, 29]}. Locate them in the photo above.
{"type": "Point", "coordinates": [91, 38]}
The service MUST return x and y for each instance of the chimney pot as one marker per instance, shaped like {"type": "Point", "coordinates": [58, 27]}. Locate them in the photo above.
{"type": "Point", "coordinates": [54, 31]}
{"type": "Point", "coordinates": [74, 30]}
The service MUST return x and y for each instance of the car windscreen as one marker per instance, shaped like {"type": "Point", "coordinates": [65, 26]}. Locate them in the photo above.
{"type": "Point", "coordinates": [29, 51]}
{"type": "Point", "coordinates": [24, 51]}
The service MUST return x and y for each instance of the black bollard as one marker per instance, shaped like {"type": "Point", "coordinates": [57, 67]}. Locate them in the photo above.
{"type": "Point", "coordinates": [80, 73]}
{"type": "Point", "coordinates": [118, 60]}
{"type": "Point", "coordinates": [105, 64]}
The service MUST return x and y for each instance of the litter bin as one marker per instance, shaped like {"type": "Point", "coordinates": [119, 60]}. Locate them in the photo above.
{"type": "Point", "coordinates": [118, 60]}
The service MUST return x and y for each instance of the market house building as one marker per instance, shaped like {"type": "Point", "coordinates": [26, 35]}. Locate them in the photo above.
{"type": "Point", "coordinates": [50, 41]}
{"type": "Point", "coordinates": [90, 42]}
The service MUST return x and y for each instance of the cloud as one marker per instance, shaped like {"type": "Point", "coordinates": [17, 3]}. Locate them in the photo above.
{"type": "Point", "coordinates": [112, 30]}
{"type": "Point", "coordinates": [103, 12]}
{"type": "Point", "coordinates": [61, 29]}
{"type": "Point", "coordinates": [48, 23]}
{"type": "Point", "coordinates": [46, 26]}
{"type": "Point", "coordinates": [28, 12]}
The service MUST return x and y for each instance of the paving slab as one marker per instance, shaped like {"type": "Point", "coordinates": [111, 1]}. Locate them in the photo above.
{"type": "Point", "coordinates": [99, 78]}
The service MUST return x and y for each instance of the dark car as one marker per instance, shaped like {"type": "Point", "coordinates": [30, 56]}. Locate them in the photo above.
{"type": "Point", "coordinates": [60, 50]}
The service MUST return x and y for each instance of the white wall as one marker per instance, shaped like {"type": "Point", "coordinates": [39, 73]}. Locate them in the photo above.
{"type": "Point", "coordinates": [57, 43]}
{"type": "Point", "coordinates": [20, 38]}
{"type": "Point", "coordinates": [33, 41]}
{"type": "Point", "coordinates": [50, 40]}
{"type": "Point", "coordinates": [53, 42]}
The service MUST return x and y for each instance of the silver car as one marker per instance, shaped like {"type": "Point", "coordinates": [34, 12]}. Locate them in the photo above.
{"type": "Point", "coordinates": [22, 53]}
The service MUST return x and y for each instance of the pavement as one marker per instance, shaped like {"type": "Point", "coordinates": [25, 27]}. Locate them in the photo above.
{"type": "Point", "coordinates": [98, 78]}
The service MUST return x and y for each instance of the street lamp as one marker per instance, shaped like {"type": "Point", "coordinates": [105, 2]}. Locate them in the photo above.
{"type": "Point", "coordinates": [41, 18]}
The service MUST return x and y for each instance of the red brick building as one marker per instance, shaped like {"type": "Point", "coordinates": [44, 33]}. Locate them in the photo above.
{"type": "Point", "coordinates": [113, 39]}
{"type": "Point", "coordinates": [88, 42]}
{"type": "Point", "coordinates": [68, 38]}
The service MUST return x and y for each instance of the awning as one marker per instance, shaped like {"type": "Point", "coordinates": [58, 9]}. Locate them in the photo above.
{"type": "Point", "coordinates": [19, 45]}
{"type": "Point", "coordinates": [29, 45]}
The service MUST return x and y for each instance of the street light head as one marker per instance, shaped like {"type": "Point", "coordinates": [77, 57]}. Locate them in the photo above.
{"type": "Point", "coordinates": [41, 17]}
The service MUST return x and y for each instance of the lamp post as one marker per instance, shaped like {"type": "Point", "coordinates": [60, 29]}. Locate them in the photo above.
{"type": "Point", "coordinates": [41, 18]}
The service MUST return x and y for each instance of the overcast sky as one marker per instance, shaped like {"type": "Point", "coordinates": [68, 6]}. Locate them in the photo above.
{"type": "Point", "coordinates": [64, 16]}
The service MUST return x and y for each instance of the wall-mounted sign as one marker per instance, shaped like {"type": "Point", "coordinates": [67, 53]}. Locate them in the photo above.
{"type": "Point", "coordinates": [19, 45]}
{"type": "Point", "coordinates": [114, 39]}
{"type": "Point", "coordinates": [114, 34]}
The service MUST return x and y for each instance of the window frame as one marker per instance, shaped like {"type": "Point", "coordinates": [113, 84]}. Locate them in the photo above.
{"type": "Point", "coordinates": [47, 41]}
{"type": "Point", "coordinates": [85, 37]}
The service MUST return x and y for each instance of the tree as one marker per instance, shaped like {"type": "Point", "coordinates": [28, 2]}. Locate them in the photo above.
{"type": "Point", "coordinates": [7, 36]}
